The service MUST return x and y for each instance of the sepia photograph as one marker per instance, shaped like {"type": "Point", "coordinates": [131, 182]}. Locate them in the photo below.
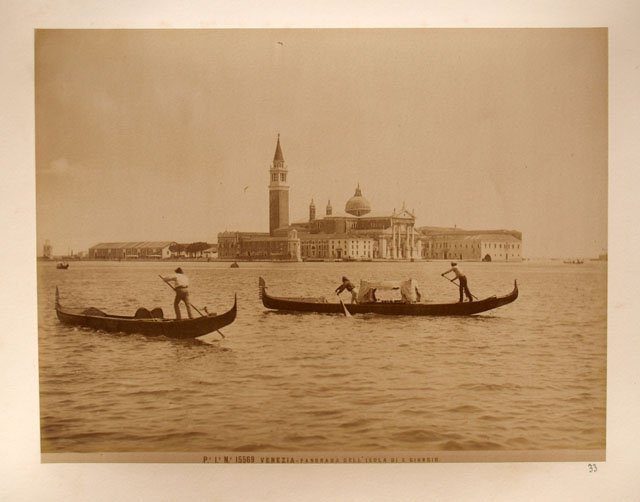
{"type": "Point", "coordinates": [316, 253]}
{"type": "Point", "coordinates": [338, 245]}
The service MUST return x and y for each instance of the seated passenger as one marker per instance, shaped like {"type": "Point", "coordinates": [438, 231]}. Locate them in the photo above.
{"type": "Point", "coordinates": [369, 296]}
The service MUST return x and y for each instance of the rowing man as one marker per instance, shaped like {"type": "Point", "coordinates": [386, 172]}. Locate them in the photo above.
{"type": "Point", "coordinates": [181, 287]}
{"type": "Point", "coordinates": [348, 285]}
{"type": "Point", "coordinates": [461, 278]}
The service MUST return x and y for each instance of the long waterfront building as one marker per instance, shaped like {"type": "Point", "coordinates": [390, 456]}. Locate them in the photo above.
{"type": "Point", "coordinates": [494, 245]}
{"type": "Point", "coordinates": [130, 250]}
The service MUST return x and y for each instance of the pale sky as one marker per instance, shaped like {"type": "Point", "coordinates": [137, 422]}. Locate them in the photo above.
{"type": "Point", "coordinates": [169, 134]}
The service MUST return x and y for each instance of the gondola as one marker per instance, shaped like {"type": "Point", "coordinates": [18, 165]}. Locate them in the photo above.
{"type": "Point", "coordinates": [145, 322]}
{"type": "Point", "coordinates": [62, 266]}
{"type": "Point", "coordinates": [406, 308]}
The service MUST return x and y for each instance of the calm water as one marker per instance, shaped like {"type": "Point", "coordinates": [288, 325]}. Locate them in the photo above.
{"type": "Point", "coordinates": [527, 376]}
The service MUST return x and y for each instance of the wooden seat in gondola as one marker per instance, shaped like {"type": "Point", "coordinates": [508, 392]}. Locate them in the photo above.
{"type": "Point", "coordinates": [92, 311]}
{"type": "Point", "coordinates": [143, 313]}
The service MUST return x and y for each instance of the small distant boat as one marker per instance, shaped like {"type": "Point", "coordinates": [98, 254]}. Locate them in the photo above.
{"type": "Point", "coordinates": [145, 322]}
{"type": "Point", "coordinates": [62, 266]}
{"type": "Point", "coordinates": [574, 262]}
{"type": "Point", "coordinates": [235, 265]}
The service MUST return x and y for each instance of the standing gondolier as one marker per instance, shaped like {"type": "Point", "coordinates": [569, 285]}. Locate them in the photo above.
{"type": "Point", "coordinates": [462, 285]}
{"type": "Point", "coordinates": [181, 287]}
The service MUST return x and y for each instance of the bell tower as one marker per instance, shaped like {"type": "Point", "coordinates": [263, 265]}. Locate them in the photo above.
{"type": "Point", "coordinates": [312, 211]}
{"type": "Point", "coordinates": [278, 192]}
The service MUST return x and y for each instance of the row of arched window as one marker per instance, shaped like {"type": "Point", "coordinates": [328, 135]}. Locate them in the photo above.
{"type": "Point", "coordinates": [274, 176]}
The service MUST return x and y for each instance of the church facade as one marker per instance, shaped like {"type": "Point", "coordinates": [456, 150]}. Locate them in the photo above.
{"type": "Point", "coordinates": [359, 233]}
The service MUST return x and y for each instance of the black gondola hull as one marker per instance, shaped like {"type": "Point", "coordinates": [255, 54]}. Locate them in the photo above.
{"type": "Point", "coordinates": [172, 328]}
{"type": "Point", "coordinates": [386, 308]}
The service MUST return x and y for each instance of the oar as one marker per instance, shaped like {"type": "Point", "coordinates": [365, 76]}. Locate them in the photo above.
{"type": "Point", "coordinates": [456, 284]}
{"type": "Point", "coordinates": [344, 307]}
{"type": "Point", "coordinates": [196, 308]}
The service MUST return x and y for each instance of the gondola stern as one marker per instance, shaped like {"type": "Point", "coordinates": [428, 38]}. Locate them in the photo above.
{"type": "Point", "coordinates": [513, 296]}
{"type": "Point", "coordinates": [261, 286]}
{"type": "Point", "coordinates": [235, 304]}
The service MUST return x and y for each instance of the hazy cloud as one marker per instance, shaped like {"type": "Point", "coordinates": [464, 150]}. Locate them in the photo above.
{"type": "Point", "coordinates": [61, 167]}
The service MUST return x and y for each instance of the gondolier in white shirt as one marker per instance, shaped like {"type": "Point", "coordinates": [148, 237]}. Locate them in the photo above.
{"type": "Point", "coordinates": [462, 280]}
{"type": "Point", "coordinates": [181, 287]}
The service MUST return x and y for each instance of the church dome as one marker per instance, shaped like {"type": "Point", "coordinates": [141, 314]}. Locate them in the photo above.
{"type": "Point", "coordinates": [357, 205]}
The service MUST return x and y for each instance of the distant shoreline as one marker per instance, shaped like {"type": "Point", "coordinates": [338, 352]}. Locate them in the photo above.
{"type": "Point", "coordinates": [329, 260]}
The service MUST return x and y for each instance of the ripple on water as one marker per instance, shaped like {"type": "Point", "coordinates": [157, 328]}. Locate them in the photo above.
{"type": "Point", "coordinates": [470, 445]}
{"type": "Point", "coordinates": [490, 387]}
{"type": "Point", "coordinates": [360, 423]}
{"type": "Point", "coordinates": [421, 436]}
{"type": "Point", "coordinates": [466, 408]}
{"type": "Point", "coordinates": [260, 447]}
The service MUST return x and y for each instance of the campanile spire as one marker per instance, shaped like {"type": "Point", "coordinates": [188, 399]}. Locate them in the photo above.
{"type": "Point", "coordinates": [278, 157]}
